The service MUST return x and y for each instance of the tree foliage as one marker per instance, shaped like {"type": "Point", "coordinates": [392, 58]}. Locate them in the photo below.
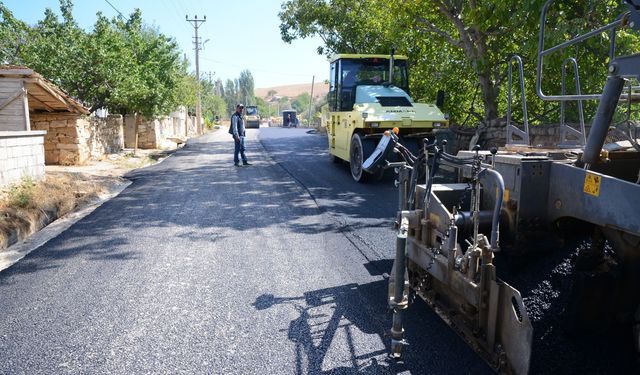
{"type": "Point", "coordinates": [463, 47]}
{"type": "Point", "coordinates": [301, 103]}
{"type": "Point", "coordinates": [212, 103]}
{"type": "Point", "coordinates": [55, 49]}
{"type": "Point", "coordinates": [13, 34]}
{"type": "Point", "coordinates": [122, 64]}
{"type": "Point", "coordinates": [264, 109]}
{"type": "Point", "coordinates": [231, 95]}
{"type": "Point", "coordinates": [239, 90]}
{"type": "Point", "coordinates": [246, 87]}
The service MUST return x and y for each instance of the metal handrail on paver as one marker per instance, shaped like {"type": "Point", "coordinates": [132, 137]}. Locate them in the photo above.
{"type": "Point", "coordinates": [566, 130]}
{"type": "Point", "coordinates": [511, 128]}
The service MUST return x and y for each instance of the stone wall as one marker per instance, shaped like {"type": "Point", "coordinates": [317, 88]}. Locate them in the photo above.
{"type": "Point", "coordinates": [540, 136]}
{"type": "Point", "coordinates": [158, 132]}
{"type": "Point", "coordinates": [129, 131]}
{"type": "Point", "coordinates": [107, 135]}
{"type": "Point", "coordinates": [73, 139]}
{"type": "Point", "coordinates": [21, 155]}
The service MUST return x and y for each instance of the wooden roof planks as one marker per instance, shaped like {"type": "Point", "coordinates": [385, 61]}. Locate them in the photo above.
{"type": "Point", "coordinates": [42, 95]}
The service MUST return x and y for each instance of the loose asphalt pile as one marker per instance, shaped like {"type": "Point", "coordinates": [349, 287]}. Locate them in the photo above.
{"type": "Point", "coordinates": [546, 285]}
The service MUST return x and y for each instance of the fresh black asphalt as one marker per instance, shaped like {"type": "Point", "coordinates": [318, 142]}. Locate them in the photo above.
{"type": "Point", "coordinates": [202, 267]}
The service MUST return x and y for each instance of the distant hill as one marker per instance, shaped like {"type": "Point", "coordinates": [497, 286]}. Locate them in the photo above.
{"type": "Point", "coordinates": [320, 89]}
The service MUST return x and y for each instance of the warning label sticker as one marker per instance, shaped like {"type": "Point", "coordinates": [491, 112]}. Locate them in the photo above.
{"type": "Point", "coordinates": [592, 184]}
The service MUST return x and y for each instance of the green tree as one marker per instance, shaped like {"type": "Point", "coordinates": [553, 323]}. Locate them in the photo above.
{"type": "Point", "coordinates": [187, 91]}
{"type": "Point", "coordinates": [344, 26]}
{"type": "Point", "coordinates": [459, 46]}
{"type": "Point", "coordinates": [157, 66]}
{"type": "Point", "coordinates": [246, 87]}
{"type": "Point", "coordinates": [212, 103]}
{"type": "Point", "coordinates": [106, 66]}
{"type": "Point", "coordinates": [13, 34]}
{"type": "Point", "coordinates": [122, 65]}
{"type": "Point", "coordinates": [301, 103]}
{"type": "Point", "coordinates": [55, 49]}
{"type": "Point", "coordinates": [230, 96]}
{"type": "Point", "coordinates": [216, 106]}
{"type": "Point", "coordinates": [239, 90]}
{"type": "Point", "coordinates": [264, 108]}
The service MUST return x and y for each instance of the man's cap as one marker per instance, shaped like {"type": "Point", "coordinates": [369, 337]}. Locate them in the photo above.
{"type": "Point", "coordinates": [239, 105]}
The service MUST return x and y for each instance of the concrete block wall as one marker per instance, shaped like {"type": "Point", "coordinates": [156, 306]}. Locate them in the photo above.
{"type": "Point", "coordinates": [21, 155]}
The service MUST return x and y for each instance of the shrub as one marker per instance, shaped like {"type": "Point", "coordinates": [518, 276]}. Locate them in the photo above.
{"type": "Point", "coordinates": [208, 123]}
{"type": "Point", "coordinates": [21, 194]}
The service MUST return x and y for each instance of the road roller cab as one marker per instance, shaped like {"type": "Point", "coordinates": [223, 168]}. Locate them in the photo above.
{"type": "Point", "coordinates": [251, 117]}
{"type": "Point", "coordinates": [369, 94]}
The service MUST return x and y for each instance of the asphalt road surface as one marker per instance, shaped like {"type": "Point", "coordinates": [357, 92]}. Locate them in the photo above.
{"type": "Point", "coordinates": [202, 267]}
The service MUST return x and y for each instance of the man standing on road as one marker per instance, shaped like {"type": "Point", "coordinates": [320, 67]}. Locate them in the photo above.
{"type": "Point", "coordinates": [237, 130]}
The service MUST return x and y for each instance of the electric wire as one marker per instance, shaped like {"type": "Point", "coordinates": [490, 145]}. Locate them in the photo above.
{"type": "Point", "coordinates": [116, 9]}
{"type": "Point", "coordinates": [177, 12]}
{"type": "Point", "coordinates": [255, 69]}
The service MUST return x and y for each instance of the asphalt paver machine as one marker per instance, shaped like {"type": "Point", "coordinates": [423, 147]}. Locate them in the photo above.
{"type": "Point", "coordinates": [504, 202]}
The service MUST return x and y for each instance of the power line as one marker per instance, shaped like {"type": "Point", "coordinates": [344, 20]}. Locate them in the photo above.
{"type": "Point", "coordinates": [256, 69]}
{"type": "Point", "coordinates": [176, 10]}
{"type": "Point", "coordinates": [116, 9]}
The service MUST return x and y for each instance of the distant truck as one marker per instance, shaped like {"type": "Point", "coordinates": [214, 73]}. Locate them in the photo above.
{"type": "Point", "coordinates": [251, 117]}
{"type": "Point", "coordinates": [289, 119]}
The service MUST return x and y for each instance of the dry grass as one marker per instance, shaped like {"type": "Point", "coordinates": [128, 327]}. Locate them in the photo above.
{"type": "Point", "coordinates": [130, 161]}
{"type": "Point", "coordinates": [28, 206]}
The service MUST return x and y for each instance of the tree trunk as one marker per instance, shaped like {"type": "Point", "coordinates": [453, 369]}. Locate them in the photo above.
{"type": "Point", "coordinates": [489, 98]}
{"type": "Point", "coordinates": [474, 44]}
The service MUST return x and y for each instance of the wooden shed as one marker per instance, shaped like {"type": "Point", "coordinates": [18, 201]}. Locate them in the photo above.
{"type": "Point", "coordinates": [23, 94]}
{"type": "Point", "coordinates": [23, 91]}
{"type": "Point", "coordinates": [29, 102]}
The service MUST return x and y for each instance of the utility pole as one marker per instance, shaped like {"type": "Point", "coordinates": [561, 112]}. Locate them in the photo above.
{"type": "Point", "coordinates": [313, 80]}
{"type": "Point", "coordinates": [196, 24]}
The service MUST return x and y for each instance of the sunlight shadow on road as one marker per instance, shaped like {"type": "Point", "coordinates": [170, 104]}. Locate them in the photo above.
{"type": "Point", "coordinates": [333, 323]}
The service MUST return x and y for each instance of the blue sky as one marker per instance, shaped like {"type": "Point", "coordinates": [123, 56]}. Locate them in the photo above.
{"type": "Point", "coordinates": [242, 35]}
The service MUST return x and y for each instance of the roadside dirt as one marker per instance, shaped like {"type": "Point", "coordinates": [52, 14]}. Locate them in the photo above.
{"type": "Point", "coordinates": [29, 206]}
